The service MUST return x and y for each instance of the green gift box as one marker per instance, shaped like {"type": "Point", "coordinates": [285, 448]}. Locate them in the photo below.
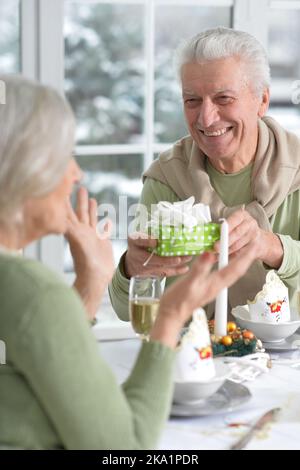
{"type": "Point", "coordinates": [181, 241]}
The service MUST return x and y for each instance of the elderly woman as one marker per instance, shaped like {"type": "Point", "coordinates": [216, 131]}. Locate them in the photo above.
{"type": "Point", "coordinates": [55, 390]}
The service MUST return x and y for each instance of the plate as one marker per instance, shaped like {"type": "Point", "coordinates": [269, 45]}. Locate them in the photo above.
{"type": "Point", "coordinates": [229, 397]}
{"type": "Point", "coordinates": [292, 343]}
{"type": "Point", "coordinates": [194, 391]}
{"type": "Point", "coordinates": [266, 332]}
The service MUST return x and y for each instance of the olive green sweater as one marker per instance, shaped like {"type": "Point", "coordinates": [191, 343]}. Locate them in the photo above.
{"type": "Point", "coordinates": [55, 390]}
{"type": "Point", "coordinates": [233, 189]}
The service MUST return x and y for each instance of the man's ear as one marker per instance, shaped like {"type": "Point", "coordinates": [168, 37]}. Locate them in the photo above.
{"type": "Point", "coordinates": [264, 105]}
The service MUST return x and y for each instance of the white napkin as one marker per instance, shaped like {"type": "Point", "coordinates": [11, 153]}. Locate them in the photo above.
{"type": "Point", "coordinates": [248, 368]}
{"type": "Point", "coordinates": [194, 361]}
{"type": "Point", "coordinates": [271, 304]}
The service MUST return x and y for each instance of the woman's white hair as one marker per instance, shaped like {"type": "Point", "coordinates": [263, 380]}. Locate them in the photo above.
{"type": "Point", "coordinates": [221, 42]}
{"type": "Point", "coordinates": [37, 130]}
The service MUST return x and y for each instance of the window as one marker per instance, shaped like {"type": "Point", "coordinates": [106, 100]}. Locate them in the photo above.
{"type": "Point", "coordinates": [105, 71]}
{"type": "Point", "coordinates": [9, 38]}
{"type": "Point", "coordinates": [284, 54]}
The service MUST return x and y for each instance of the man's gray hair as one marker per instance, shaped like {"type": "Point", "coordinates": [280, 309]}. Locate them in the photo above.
{"type": "Point", "coordinates": [36, 143]}
{"type": "Point", "coordinates": [221, 42]}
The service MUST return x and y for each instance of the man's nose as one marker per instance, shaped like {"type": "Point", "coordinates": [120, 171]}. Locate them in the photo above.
{"type": "Point", "coordinates": [208, 114]}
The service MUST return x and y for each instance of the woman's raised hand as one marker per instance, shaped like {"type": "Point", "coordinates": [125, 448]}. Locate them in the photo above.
{"type": "Point", "coordinates": [92, 252]}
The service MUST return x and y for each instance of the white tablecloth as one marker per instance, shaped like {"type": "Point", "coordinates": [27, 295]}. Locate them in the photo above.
{"type": "Point", "coordinates": [278, 388]}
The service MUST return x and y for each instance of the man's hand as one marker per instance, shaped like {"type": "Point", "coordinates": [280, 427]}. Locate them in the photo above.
{"type": "Point", "coordinates": [164, 266]}
{"type": "Point", "coordinates": [92, 254]}
{"type": "Point", "coordinates": [244, 229]}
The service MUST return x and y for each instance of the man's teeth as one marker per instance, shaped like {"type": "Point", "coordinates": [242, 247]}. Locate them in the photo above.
{"type": "Point", "coordinates": [216, 133]}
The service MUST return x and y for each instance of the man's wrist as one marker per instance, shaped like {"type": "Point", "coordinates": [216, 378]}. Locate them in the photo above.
{"type": "Point", "coordinates": [273, 252]}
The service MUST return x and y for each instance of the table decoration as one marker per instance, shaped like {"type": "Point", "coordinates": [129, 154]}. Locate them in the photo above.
{"type": "Point", "coordinates": [236, 341]}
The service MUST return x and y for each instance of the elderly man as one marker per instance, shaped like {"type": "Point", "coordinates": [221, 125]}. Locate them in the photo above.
{"type": "Point", "coordinates": [245, 166]}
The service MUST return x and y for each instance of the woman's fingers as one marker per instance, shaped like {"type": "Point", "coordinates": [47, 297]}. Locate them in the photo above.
{"type": "Point", "coordinates": [72, 221]}
{"type": "Point", "coordinates": [71, 214]}
{"type": "Point", "coordinates": [93, 213]}
{"type": "Point", "coordinates": [204, 263]}
{"type": "Point", "coordinates": [213, 282]}
{"type": "Point", "coordinates": [201, 268]}
{"type": "Point", "coordinates": [82, 207]}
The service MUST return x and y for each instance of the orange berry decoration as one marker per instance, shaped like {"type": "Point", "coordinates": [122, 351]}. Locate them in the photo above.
{"type": "Point", "coordinates": [247, 334]}
{"type": "Point", "coordinates": [231, 326]}
{"type": "Point", "coordinates": [226, 340]}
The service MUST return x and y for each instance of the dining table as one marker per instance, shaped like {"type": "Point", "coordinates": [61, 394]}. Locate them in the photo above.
{"type": "Point", "coordinates": [276, 387]}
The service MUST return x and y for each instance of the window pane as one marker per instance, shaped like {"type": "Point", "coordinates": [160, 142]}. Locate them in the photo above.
{"type": "Point", "coordinates": [115, 181]}
{"type": "Point", "coordinates": [104, 71]}
{"type": "Point", "coordinates": [183, 22]}
{"type": "Point", "coordinates": [284, 54]}
{"type": "Point", "coordinates": [9, 38]}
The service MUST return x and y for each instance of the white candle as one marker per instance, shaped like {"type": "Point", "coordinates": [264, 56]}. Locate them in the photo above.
{"type": "Point", "coordinates": [221, 300]}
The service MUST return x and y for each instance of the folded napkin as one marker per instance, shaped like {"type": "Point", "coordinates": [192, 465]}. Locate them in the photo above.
{"type": "Point", "coordinates": [248, 368]}
{"type": "Point", "coordinates": [194, 361]}
{"type": "Point", "coordinates": [271, 304]}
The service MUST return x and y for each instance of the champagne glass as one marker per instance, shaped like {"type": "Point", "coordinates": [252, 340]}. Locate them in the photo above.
{"type": "Point", "coordinates": [144, 295]}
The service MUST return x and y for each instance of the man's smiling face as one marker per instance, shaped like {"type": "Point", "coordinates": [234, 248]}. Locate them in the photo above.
{"type": "Point", "coordinates": [222, 111]}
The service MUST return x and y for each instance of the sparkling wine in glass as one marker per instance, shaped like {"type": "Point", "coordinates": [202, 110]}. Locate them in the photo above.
{"type": "Point", "coordinates": [144, 295]}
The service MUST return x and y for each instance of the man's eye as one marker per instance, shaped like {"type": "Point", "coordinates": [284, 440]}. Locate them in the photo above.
{"type": "Point", "coordinates": [191, 101]}
{"type": "Point", "coordinates": [225, 99]}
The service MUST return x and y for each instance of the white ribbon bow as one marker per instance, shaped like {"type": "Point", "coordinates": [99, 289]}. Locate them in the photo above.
{"type": "Point", "coordinates": [179, 213]}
